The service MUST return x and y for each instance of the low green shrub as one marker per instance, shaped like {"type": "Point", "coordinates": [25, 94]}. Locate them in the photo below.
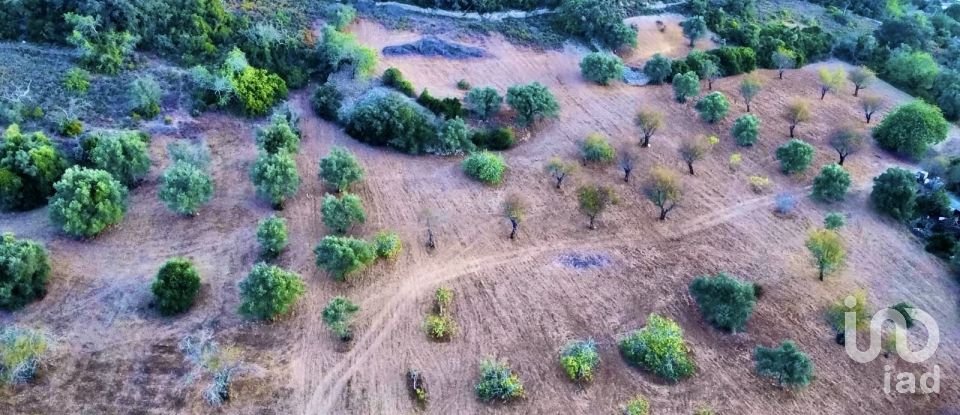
{"type": "Point", "coordinates": [498, 382]}
{"type": "Point", "coordinates": [87, 201]}
{"type": "Point", "coordinates": [388, 245]}
{"type": "Point", "coordinates": [596, 149]}
{"type": "Point", "coordinates": [24, 271]}
{"type": "Point", "coordinates": [725, 302]}
{"type": "Point", "coordinates": [272, 236]}
{"type": "Point", "coordinates": [580, 359]}
{"type": "Point", "coordinates": [393, 78]}
{"type": "Point", "coordinates": [326, 101]}
{"type": "Point", "coordinates": [176, 286]}
{"type": "Point", "coordinates": [659, 348]}
{"type": "Point", "coordinates": [485, 166]}
{"type": "Point", "coordinates": [498, 139]}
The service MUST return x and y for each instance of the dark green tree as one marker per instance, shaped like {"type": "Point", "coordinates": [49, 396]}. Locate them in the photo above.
{"type": "Point", "coordinates": [272, 236]}
{"type": "Point", "coordinates": [275, 177]}
{"type": "Point", "coordinates": [340, 169]}
{"type": "Point", "coordinates": [658, 68]}
{"type": "Point", "coordinates": [831, 184]}
{"type": "Point", "coordinates": [911, 129]}
{"type": "Point", "coordinates": [746, 129]}
{"type": "Point", "coordinates": [176, 286]}
{"type": "Point", "coordinates": [87, 201]}
{"type": "Point", "coordinates": [24, 271]}
{"type": "Point", "coordinates": [694, 28]}
{"type": "Point", "coordinates": [601, 67]}
{"type": "Point", "coordinates": [685, 86]}
{"type": "Point", "coordinates": [338, 316]}
{"type": "Point", "coordinates": [532, 102]}
{"type": "Point", "coordinates": [786, 363]}
{"type": "Point", "coordinates": [123, 154]}
{"type": "Point", "coordinates": [269, 292]}
{"type": "Point", "coordinates": [343, 256]}
{"type": "Point", "coordinates": [895, 193]}
{"type": "Point", "coordinates": [659, 348]}
{"type": "Point", "coordinates": [340, 214]}
{"type": "Point", "coordinates": [795, 156]}
{"type": "Point", "coordinates": [726, 302]}
{"type": "Point", "coordinates": [713, 107]}
{"type": "Point", "coordinates": [29, 166]}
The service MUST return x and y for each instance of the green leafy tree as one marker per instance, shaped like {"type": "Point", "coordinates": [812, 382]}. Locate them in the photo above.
{"type": "Point", "coordinates": [389, 118]}
{"type": "Point", "coordinates": [831, 184]}
{"type": "Point", "coordinates": [750, 86]}
{"type": "Point", "coordinates": [895, 193]}
{"type": "Point", "coordinates": [269, 292]}
{"type": "Point", "coordinates": [746, 129]}
{"type": "Point", "coordinates": [560, 169]}
{"type": "Point", "coordinates": [601, 67]}
{"type": "Point", "coordinates": [123, 154]}
{"type": "Point", "coordinates": [833, 221]}
{"type": "Point", "coordinates": [532, 102]}
{"type": "Point", "coordinates": [257, 90]}
{"type": "Point", "coordinates": [594, 200]}
{"type": "Point", "coordinates": [326, 101]}
{"type": "Point", "coordinates": [713, 107]}
{"type": "Point", "coordinates": [797, 111]}
{"type": "Point", "coordinates": [24, 271]}
{"type": "Point", "coordinates": [659, 348]}
{"type": "Point", "coordinates": [795, 156]}
{"type": "Point", "coordinates": [861, 77]}
{"type": "Point", "coordinates": [275, 177]}
{"type": "Point", "coordinates": [387, 245]}
{"type": "Point", "coordinates": [485, 102]}
{"type": "Point", "coordinates": [663, 190]}
{"type": "Point", "coordinates": [485, 166]}
{"type": "Point", "coordinates": [176, 286]}
{"type": "Point", "coordinates": [694, 28]}
{"type": "Point", "coordinates": [597, 20]}
{"type": "Point", "coordinates": [827, 250]}
{"type": "Point", "coordinates": [104, 51]}
{"type": "Point", "coordinates": [830, 81]}
{"type": "Point", "coordinates": [935, 204]}
{"type": "Point", "coordinates": [947, 93]}
{"type": "Point", "coordinates": [846, 141]}
{"type": "Point", "coordinates": [498, 382]}
{"type": "Point", "coordinates": [272, 236]}
{"type": "Point", "coordinates": [343, 256]}
{"type": "Point", "coordinates": [648, 121]}
{"type": "Point", "coordinates": [453, 138]}
{"type": "Point", "coordinates": [579, 359]}
{"type": "Point", "coordinates": [786, 363]}
{"type": "Point", "coordinates": [685, 86]}
{"type": "Point", "coordinates": [144, 96]}
{"type": "Point", "coordinates": [185, 187]}
{"type": "Point", "coordinates": [783, 59]}
{"type": "Point", "coordinates": [340, 214]}
{"type": "Point", "coordinates": [596, 149]}
{"type": "Point", "coordinates": [911, 129]}
{"type": "Point", "coordinates": [87, 201]}
{"type": "Point", "coordinates": [29, 166]}
{"type": "Point", "coordinates": [340, 169]}
{"type": "Point", "coordinates": [693, 149]}
{"type": "Point", "coordinates": [278, 135]}
{"type": "Point", "coordinates": [338, 316]}
{"type": "Point", "coordinates": [912, 70]}
{"type": "Point", "coordinates": [726, 302]}
{"type": "Point", "coordinates": [658, 68]}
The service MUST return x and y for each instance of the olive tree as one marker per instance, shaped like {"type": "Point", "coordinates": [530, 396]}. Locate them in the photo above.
{"type": "Point", "coordinates": [626, 160]}
{"type": "Point", "coordinates": [560, 169]}
{"type": "Point", "coordinates": [831, 184]}
{"type": "Point", "coordinates": [783, 59]}
{"type": "Point", "coordinates": [713, 107]}
{"type": "Point", "coordinates": [870, 104]}
{"type": "Point", "coordinates": [343, 256]}
{"type": "Point", "coordinates": [278, 135]}
{"type": "Point", "coordinates": [746, 129]}
{"type": "Point", "coordinates": [846, 140]}
{"type": "Point", "coordinates": [601, 67]}
{"type": "Point", "coordinates": [24, 271]}
{"type": "Point", "coordinates": [269, 292]}
{"type": "Point", "coordinates": [185, 187]}
{"type": "Point", "coordinates": [649, 121]}
{"type": "Point", "coordinates": [272, 236]}
{"type": "Point", "coordinates": [176, 286]}
{"type": "Point", "coordinates": [694, 28]}
{"type": "Point", "coordinates": [685, 86]}
{"type": "Point", "coordinates": [861, 77]}
{"type": "Point", "coordinates": [750, 86]}
{"type": "Point", "coordinates": [795, 156]}
{"type": "Point", "coordinates": [29, 167]}
{"type": "Point", "coordinates": [275, 177]}
{"type": "Point", "coordinates": [895, 193]}
{"type": "Point", "coordinates": [596, 149]}
{"type": "Point", "coordinates": [87, 201]}
{"type": "Point", "coordinates": [663, 190]}
{"type": "Point", "coordinates": [827, 250]}
{"type": "Point", "coordinates": [830, 81]}
{"type": "Point", "coordinates": [485, 167]}
{"type": "Point", "coordinates": [785, 363]}
{"type": "Point", "coordinates": [514, 209]}
{"type": "Point", "coordinates": [693, 149]}
{"type": "Point", "coordinates": [123, 154]}
{"type": "Point", "coordinates": [485, 102]}
{"type": "Point", "coordinates": [338, 316]}
{"type": "Point", "coordinates": [594, 200]}
{"type": "Point", "coordinates": [797, 111]}
{"type": "Point", "coordinates": [340, 214]}
{"type": "Point", "coordinates": [725, 301]}
{"type": "Point", "coordinates": [911, 129]}
{"type": "Point", "coordinates": [658, 69]}
{"type": "Point", "coordinates": [340, 169]}
{"type": "Point", "coordinates": [532, 102]}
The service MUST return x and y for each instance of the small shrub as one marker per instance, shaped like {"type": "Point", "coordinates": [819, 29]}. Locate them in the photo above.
{"type": "Point", "coordinates": [484, 102]}
{"type": "Point", "coordinates": [485, 167]}
{"type": "Point", "coordinates": [637, 406]}
{"type": "Point", "coordinates": [759, 184]}
{"type": "Point", "coordinates": [87, 201]}
{"type": "Point", "coordinates": [498, 139]}
{"type": "Point", "coordinates": [442, 299]}
{"type": "Point", "coordinates": [659, 347]}
{"type": "Point", "coordinates": [498, 382]}
{"type": "Point", "coordinates": [836, 312]}
{"type": "Point", "coordinates": [726, 302]}
{"type": "Point", "coordinates": [278, 135]}
{"type": "Point", "coordinates": [258, 90]}
{"type": "Point", "coordinates": [344, 256]}
{"type": "Point", "coordinates": [785, 203]}
{"type": "Point", "coordinates": [579, 360]}
{"type": "Point", "coordinates": [77, 81]}
{"type": "Point", "coordinates": [826, 249]}
{"type": "Point", "coordinates": [269, 291]}
{"type": "Point", "coordinates": [463, 85]}
{"type": "Point", "coordinates": [735, 161]}
{"type": "Point", "coordinates": [387, 245]}
{"type": "Point", "coordinates": [393, 78]}
{"type": "Point", "coordinates": [276, 177]}
{"type": "Point", "coordinates": [833, 221]}
{"type": "Point", "coordinates": [448, 108]}
{"type": "Point", "coordinates": [831, 184]}
{"type": "Point", "coordinates": [144, 96]}
{"type": "Point", "coordinates": [70, 127]}
{"type": "Point", "coordinates": [338, 316]}
{"type": "Point", "coordinates": [185, 187]}
{"type": "Point", "coordinates": [601, 67]}
{"type": "Point", "coordinates": [596, 149]}
{"type": "Point", "coordinates": [795, 156]}
{"type": "Point", "coordinates": [176, 286]}
{"type": "Point", "coordinates": [340, 214]}
{"type": "Point", "coordinates": [326, 101]}
{"type": "Point", "coordinates": [21, 353]}
{"type": "Point", "coordinates": [340, 169]}
{"type": "Point", "coordinates": [24, 271]}
{"type": "Point", "coordinates": [746, 129]}
{"type": "Point", "coordinates": [417, 386]}
{"type": "Point", "coordinates": [905, 310]}
{"type": "Point", "coordinates": [440, 327]}
{"type": "Point", "coordinates": [272, 236]}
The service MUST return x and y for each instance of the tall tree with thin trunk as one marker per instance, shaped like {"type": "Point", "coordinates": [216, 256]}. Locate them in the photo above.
{"type": "Point", "coordinates": [861, 77]}
{"type": "Point", "coordinates": [594, 199]}
{"type": "Point", "coordinates": [694, 28]}
{"type": "Point", "coordinates": [826, 247]}
{"type": "Point", "coordinates": [784, 59]}
{"type": "Point", "coordinates": [649, 121]}
{"type": "Point", "coordinates": [710, 71]}
{"type": "Point", "coordinates": [626, 159]}
{"type": "Point", "coordinates": [514, 209]}
{"type": "Point", "coordinates": [750, 86]}
{"type": "Point", "coordinates": [663, 189]}
{"type": "Point", "coordinates": [797, 112]}
{"type": "Point", "coordinates": [846, 140]}
{"type": "Point", "coordinates": [830, 81]}
{"type": "Point", "coordinates": [870, 104]}
{"type": "Point", "coordinates": [560, 169]}
{"type": "Point", "coordinates": [693, 149]}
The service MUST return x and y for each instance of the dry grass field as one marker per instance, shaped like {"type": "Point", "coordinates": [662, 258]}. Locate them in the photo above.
{"type": "Point", "coordinates": [515, 300]}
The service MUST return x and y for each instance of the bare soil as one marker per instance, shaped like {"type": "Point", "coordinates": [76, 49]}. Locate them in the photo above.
{"type": "Point", "coordinates": [514, 300]}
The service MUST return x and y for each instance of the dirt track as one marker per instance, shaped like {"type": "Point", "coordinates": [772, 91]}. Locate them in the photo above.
{"type": "Point", "coordinates": [513, 300]}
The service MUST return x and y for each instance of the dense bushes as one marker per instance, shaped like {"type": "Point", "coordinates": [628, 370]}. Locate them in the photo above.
{"type": "Point", "coordinates": [393, 78]}
{"type": "Point", "coordinates": [251, 90]}
{"type": "Point", "coordinates": [497, 139]}
{"type": "Point", "coordinates": [485, 166]}
{"type": "Point", "coordinates": [387, 245]}
{"type": "Point", "coordinates": [532, 102]}
{"type": "Point", "coordinates": [735, 60]}
{"type": "Point", "coordinates": [601, 67]}
{"type": "Point", "coordinates": [123, 154]}
{"type": "Point", "coordinates": [659, 347]}
{"type": "Point", "coordinates": [344, 256]}
{"type": "Point", "coordinates": [272, 236]}
{"type": "Point", "coordinates": [339, 50]}
{"type": "Point", "coordinates": [911, 129]}
{"type": "Point", "coordinates": [498, 382]}
{"type": "Point", "coordinates": [340, 169]}
{"type": "Point", "coordinates": [448, 108]}
{"type": "Point", "coordinates": [831, 184]}
{"type": "Point", "coordinates": [279, 135]}
{"type": "Point", "coordinates": [484, 102]}
{"type": "Point", "coordinates": [726, 302]}
{"type": "Point", "coordinates": [104, 51]}
{"type": "Point", "coordinates": [326, 101]}
{"type": "Point", "coordinates": [580, 359]}
{"type": "Point", "coordinates": [29, 166]}
{"type": "Point", "coordinates": [895, 193]}
{"type": "Point", "coordinates": [269, 291]}
{"type": "Point", "coordinates": [597, 20]}
{"type": "Point", "coordinates": [144, 97]}
{"type": "Point", "coordinates": [21, 351]}
{"type": "Point", "coordinates": [746, 128]}
{"type": "Point", "coordinates": [453, 138]}
{"type": "Point", "coordinates": [24, 270]}
{"type": "Point", "coordinates": [87, 201]}
{"type": "Point", "coordinates": [383, 118]}
{"type": "Point", "coordinates": [795, 156]}
{"type": "Point", "coordinates": [176, 286]}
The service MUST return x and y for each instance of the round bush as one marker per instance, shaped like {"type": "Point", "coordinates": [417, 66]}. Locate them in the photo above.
{"type": "Point", "coordinates": [713, 107]}
{"type": "Point", "coordinates": [795, 156]}
{"type": "Point", "coordinates": [831, 184]}
{"type": "Point", "coordinates": [384, 117]}
{"type": "Point", "coordinates": [659, 347]}
{"type": "Point", "coordinates": [269, 291]}
{"type": "Point", "coordinates": [685, 85]}
{"type": "Point", "coordinates": [658, 69]}
{"type": "Point", "coordinates": [596, 149]}
{"type": "Point", "coordinates": [272, 236]}
{"type": "Point", "coordinates": [340, 169]}
{"type": "Point", "coordinates": [485, 102]}
{"type": "Point", "coordinates": [485, 166]}
{"type": "Point", "coordinates": [275, 177]}
{"type": "Point", "coordinates": [388, 245]}
{"type": "Point", "coordinates": [123, 154]}
{"type": "Point", "coordinates": [258, 90]}
{"type": "Point", "coordinates": [726, 302]}
{"type": "Point", "coordinates": [87, 201]}
{"type": "Point", "coordinates": [601, 67]}
{"type": "Point", "coordinates": [911, 129]}
{"type": "Point", "coordinates": [176, 286]}
{"type": "Point", "coordinates": [340, 214]}
{"type": "Point", "coordinates": [184, 188]}
{"type": "Point", "coordinates": [278, 135]}
{"type": "Point", "coordinates": [29, 166]}
{"type": "Point", "coordinates": [326, 101]}
{"type": "Point", "coordinates": [343, 256]}
{"type": "Point", "coordinates": [580, 359]}
{"type": "Point", "coordinates": [532, 102]}
{"type": "Point", "coordinates": [498, 382]}
{"type": "Point", "coordinates": [24, 270]}
{"type": "Point", "coordinates": [746, 129]}
{"type": "Point", "coordinates": [895, 193]}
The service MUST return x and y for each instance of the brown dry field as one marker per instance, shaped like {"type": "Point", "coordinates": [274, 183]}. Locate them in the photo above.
{"type": "Point", "coordinates": [514, 300]}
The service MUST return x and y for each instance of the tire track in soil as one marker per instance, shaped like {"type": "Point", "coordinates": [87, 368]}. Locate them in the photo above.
{"type": "Point", "coordinates": [330, 387]}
